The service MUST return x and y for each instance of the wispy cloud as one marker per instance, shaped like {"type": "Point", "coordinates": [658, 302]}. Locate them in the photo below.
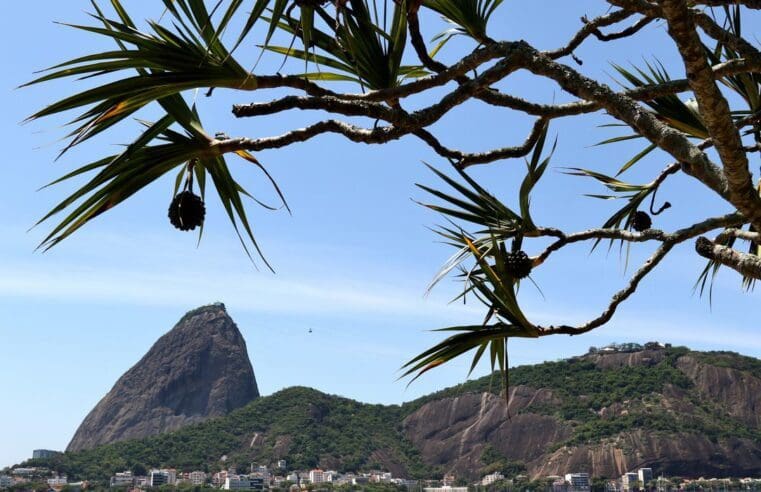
{"type": "Point", "coordinates": [105, 269]}
{"type": "Point", "coordinates": [247, 291]}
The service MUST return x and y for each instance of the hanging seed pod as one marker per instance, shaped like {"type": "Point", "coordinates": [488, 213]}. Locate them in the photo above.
{"type": "Point", "coordinates": [641, 221]}
{"type": "Point", "coordinates": [187, 211]}
{"type": "Point", "coordinates": [518, 264]}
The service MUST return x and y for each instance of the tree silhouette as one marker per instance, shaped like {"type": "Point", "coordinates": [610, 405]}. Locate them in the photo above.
{"type": "Point", "coordinates": [377, 46]}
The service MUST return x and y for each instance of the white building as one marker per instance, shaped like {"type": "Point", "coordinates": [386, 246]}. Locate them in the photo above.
{"type": "Point", "coordinates": [24, 472]}
{"type": "Point", "coordinates": [491, 478]}
{"type": "Point", "coordinates": [578, 482]}
{"type": "Point", "coordinates": [6, 481]}
{"type": "Point", "coordinates": [317, 476]}
{"type": "Point", "coordinates": [58, 481]}
{"type": "Point", "coordinates": [197, 477]}
{"type": "Point", "coordinates": [292, 477]}
{"type": "Point", "coordinates": [446, 488]}
{"type": "Point", "coordinates": [282, 464]}
{"type": "Point", "coordinates": [405, 482]}
{"type": "Point", "coordinates": [381, 477]}
{"type": "Point", "coordinates": [243, 482]}
{"type": "Point", "coordinates": [123, 479]}
{"type": "Point", "coordinates": [219, 478]}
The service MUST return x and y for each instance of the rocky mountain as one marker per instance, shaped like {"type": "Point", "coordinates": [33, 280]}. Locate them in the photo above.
{"type": "Point", "coordinates": [199, 369]}
{"type": "Point", "coordinates": [678, 411]}
{"type": "Point", "coordinates": [682, 413]}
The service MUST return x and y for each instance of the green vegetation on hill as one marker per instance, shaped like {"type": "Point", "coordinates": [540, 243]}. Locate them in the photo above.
{"type": "Point", "coordinates": [494, 461]}
{"type": "Point", "coordinates": [585, 390]}
{"type": "Point", "coordinates": [579, 377]}
{"type": "Point", "coordinates": [731, 360]}
{"type": "Point", "coordinates": [308, 428]}
{"type": "Point", "coordinates": [301, 425]}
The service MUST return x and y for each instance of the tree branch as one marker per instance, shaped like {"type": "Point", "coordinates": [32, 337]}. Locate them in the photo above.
{"type": "Point", "coordinates": [739, 234]}
{"type": "Point", "coordinates": [624, 108]}
{"type": "Point", "coordinates": [748, 265]}
{"type": "Point", "coordinates": [616, 300]}
{"type": "Point", "coordinates": [668, 242]}
{"type": "Point", "coordinates": [354, 133]}
{"type": "Point", "coordinates": [468, 159]}
{"type": "Point", "coordinates": [326, 103]}
{"type": "Point", "coordinates": [590, 28]}
{"type": "Point", "coordinates": [714, 111]}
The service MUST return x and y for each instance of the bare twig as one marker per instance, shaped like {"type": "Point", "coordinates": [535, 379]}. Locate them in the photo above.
{"type": "Point", "coordinates": [591, 27]}
{"type": "Point", "coordinates": [668, 242]}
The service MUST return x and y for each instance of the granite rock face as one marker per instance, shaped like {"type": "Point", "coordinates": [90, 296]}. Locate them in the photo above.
{"type": "Point", "coordinates": [681, 454]}
{"type": "Point", "coordinates": [199, 369]}
{"type": "Point", "coordinates": [737, 391]}
{"type": "Point", "coordinates": [453, 433]}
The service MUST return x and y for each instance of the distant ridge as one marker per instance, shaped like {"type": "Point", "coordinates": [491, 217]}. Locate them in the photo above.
{"type": "Point", "coordinates": [197, 370]}
{"type": "Point", "coordinates": [680, 412]}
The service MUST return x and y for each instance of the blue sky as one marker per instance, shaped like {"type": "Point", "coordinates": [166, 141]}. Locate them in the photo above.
{"type": "Point", "coordinates": [353, 261]}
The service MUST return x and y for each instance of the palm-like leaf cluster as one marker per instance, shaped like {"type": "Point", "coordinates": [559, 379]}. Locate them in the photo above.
{"type": "Point", "coordinates": [355, 46]}
{"type": "Point", "coordinates": [670, 109]}
{"type": "Point", "coordinates": [150, 67]}
{"type": "Point", "coordinates": [634, 195]}
{"type": "Point", "coordinates": [489, 279]}
{"type": "Point", "coordinates": [469, 17]}
{"type": "Point", "coordinates": [361, 41]}
{"type": "Point", "coordinates": [747, 85]}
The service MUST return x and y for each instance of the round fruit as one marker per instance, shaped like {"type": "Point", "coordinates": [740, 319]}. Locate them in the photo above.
{"type": "Point", "coordinates": [518, 264]}
{"type": "Point", "coordinates": [187, 211]}
{"type": "Point", "coordinates": [641, 221]}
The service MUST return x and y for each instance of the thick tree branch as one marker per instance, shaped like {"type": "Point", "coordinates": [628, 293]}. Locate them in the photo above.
{"type": "Point", "coordinates": [694, 161]}
{"type": "Point", "coordinates": [714, 111]}
{"type": "Point", "coordinates": [706, 23]}
{"type": "Point", "coordinates": [748, 265]}
{"type": "Point", "coordinates": [418, 43]}
{"type": "Point", "coordinates": [739, 234]}
{"type": "Point", "coordinates": [354, 133]}
{"type": "Point", "coordinates": [360, 105]}
{"type": "Point", "coordinates": [645, 93]}
{"type": "Point", "coordinates": [331, 104]}
{"type": "Point", "coordinates": [712, 29]}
